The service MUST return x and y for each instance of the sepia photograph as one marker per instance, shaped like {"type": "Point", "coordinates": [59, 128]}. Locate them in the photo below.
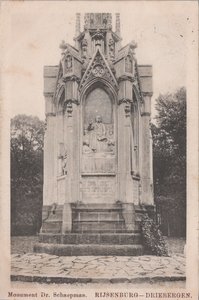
{"type": "Point", "coordinates": [99, 181]}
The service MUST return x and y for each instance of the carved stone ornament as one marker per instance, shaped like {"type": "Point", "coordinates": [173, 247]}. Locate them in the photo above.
{"type": "Point", "coordinates": [124, 100]}
{"type": "Point", "coordinates": [97, 20]}
{"type": "Point", "coordinates": [84, 48]}
{"type": "Point", "coordinates": [98, 70]}
{"type": "Point", "coordinates": [98, 137]}
{"type": "Point", "coordinates": [64, 164]}
{"type": "Point", "coordinates": [63, 45]}
{"type": "Point", "coordinates": [137, 84]}
{"type": "Point", "coordinates": [128, 109]}
{"type": "Point", "coordinates": [86, 21]}
{"type": "Point", "coordinates": [60, 86]}
{"type": "Point", "coordinates": [71, 78]}
{"type": "Point", "coordinates": [133, 45]}
{"type": "Point", "coordinates": [111, 49]}
{"type": "Point", "coordinates": [60, 82]}
{"type": "Point", "coordinates": [68, 106]}
{"type": "Point", "coordinates": [68, 64]}
{"type": "Point", "coordinates": [128, 64]}
{"type": "Point", "coordinates": [62, 160]}
{"type": "Point", "coordinates": [45, 124]}
{"type": "Point", "coordinates": [98, 35]}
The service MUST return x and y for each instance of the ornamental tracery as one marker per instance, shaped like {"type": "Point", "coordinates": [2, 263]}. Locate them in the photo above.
{"type": "Point", "coordinates": [98, 68]}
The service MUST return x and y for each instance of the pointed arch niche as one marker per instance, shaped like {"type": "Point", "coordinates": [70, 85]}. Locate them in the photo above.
{"type": "Point", "coordinates": [98, 130]}
{"type": "Point", "coordinates": [98, 103]}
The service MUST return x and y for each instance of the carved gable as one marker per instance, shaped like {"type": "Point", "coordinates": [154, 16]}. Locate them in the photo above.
{"type": "Point", "coordinates": [128, 50]}
{"type": "Point", "coordinates": [98, 68]}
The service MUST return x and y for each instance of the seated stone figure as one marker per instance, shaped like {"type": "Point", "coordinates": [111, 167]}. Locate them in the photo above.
{"type": "Point", "coordinates": [97, 138]}
{"type": "Point", "coordinates": [97, 135]}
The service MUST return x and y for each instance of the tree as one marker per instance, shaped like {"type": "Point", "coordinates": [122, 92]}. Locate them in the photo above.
{"type": "Point", "coordinates": [27, 133]}
{"type": "Point", "coordinates": [169, 151]}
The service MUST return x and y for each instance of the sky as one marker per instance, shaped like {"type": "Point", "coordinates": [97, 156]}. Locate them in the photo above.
{"type": "Point", "coordinates": [33, 30]}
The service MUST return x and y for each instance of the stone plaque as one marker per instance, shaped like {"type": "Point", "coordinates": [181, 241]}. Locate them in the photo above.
{"type": "Point", "coordinates": [96, 163]}
{"type": "Point", "coordinates": [98, 189]}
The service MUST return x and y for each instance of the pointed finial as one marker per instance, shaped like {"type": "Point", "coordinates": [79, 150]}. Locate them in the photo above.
{"type": "Point", "coordinates": [117, 25]}
{"type": "Point", "coordinates": [133, 44]}
{"type": "Point", "coordinates": [63, 45]}
{"type": "Point", "coordinates": [77, 29]}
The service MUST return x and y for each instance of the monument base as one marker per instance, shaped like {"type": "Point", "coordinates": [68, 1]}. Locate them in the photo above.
{"type": "Point", "coordinates": [96, 229]}
{"type": "Point", "coordinates": [88, 250]}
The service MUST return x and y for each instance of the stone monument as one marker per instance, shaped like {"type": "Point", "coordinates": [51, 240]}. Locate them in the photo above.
{"type": "Point", "coordinates": [98, 147]}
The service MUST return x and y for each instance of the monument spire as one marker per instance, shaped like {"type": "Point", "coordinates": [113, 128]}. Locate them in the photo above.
{"type": "Point", "coordinates": [117, 25]}
{"type": "Point", "coordinates": [77, 27]}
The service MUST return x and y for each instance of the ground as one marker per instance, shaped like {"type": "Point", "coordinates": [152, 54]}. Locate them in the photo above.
{"type": "Point", "coordinates": [141, 270]}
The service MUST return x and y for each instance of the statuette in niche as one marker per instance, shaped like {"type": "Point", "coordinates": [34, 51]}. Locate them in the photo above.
{"type": "Point", "coordinates": [68, 63]}
{"type": "Point", "coordinates": [128, 64]}
{"type": "Point", "coordinates": [111, 48]}
{"type": "Point", "coordinates": [84, 48]}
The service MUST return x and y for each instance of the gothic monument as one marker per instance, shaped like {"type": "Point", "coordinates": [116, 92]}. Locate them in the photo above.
{"type": "Point", "coordinates": [98, 147]}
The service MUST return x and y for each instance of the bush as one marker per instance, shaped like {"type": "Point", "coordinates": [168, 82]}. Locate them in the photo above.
{"type": "Point", "coordinates": [27, 134]}
{"type": "Point", "coordinates": [24, 230]}
{"type": "Point", "coordinates": [153, 240]}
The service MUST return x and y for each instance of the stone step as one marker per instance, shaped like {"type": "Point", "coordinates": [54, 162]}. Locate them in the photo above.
{"type": "Point", "coordinates": [56, 227]}
{"type": "Point", "coordinates": [89, 238]}
{"type": "Point", "coordinates": [97, 207]}
{"type": "Point", "coordinates": [103, 226]}
{"type": "Point", "coordinates": [108, 219]}
{"type": "Point", "coordinates": [89, 250]}
{"type": "Point", "coordinates": [52, 226]}
{"type": "Point", "coordinates": [97, 216]}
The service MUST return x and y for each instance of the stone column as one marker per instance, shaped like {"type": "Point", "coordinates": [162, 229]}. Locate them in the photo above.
{"type": "Point", "coordinates": [49, 192]}
{"type": "Point", "coordinates": [145, 78]}
{"type": "Point", "coordinates": [128, 153]}
{"type": "Point", "coordinates": [49, 154]}
{"type": "Point", "coordinates": [121, 152]}
{"type": "Point", "coordinates": [71, 137]}
{"type": "Point", "coordinates": [125, 153]}
{"type": "Point", "coordinates": [76, 153]}
{"type": "Point", "coordinates": [124, 140]}
{"type": "Point", "coordinates": [146, 163]}
{"type": "Point", "coordinates": [68, 133]}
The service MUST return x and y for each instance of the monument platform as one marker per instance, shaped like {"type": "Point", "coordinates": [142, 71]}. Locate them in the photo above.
{"type": "Point", "coordinates": [97, 229]}
{"type": "Point", "coordinates": [88, 250]}
{"type": "Point", "coordinates": [91, 238]}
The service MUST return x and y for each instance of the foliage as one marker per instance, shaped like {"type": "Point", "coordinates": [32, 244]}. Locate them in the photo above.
{"type": "Point", "coordinates": [169, 157]}
{"type": "Point", "coordinates": [153, 240]}
{"type": "Point", "coordinates": [27, 134]}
